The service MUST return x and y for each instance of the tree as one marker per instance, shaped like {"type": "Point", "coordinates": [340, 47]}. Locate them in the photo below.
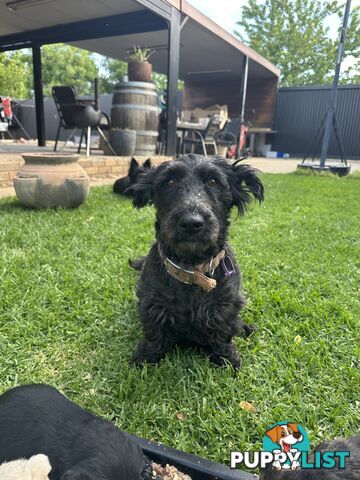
{"type": "Point", "coordinates": [352, 49]}
{"type": "Point", "coordinates": [14, 75]}
{"type": "Point", "coordinates": [113, 72]}
{"type": "Point", "coordinates": [293, 35]}
{"type": "Point", "coordinates": [66, 65]}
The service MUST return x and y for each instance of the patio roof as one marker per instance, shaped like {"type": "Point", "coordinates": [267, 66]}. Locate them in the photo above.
{"type": "Point", "coordinates": [205, 48]}
{"type": "Point", "coordinates": [188, 45]}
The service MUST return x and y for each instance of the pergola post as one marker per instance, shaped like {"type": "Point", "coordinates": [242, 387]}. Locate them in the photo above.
{"type": "Point", "coordinates": [243, 86]}
{"type": "Point", "coordinates": [39, 97]}
{"type": "Point", "coordinates": [173, 77]}
{"type": "Point", "coordinates": [243, 91]}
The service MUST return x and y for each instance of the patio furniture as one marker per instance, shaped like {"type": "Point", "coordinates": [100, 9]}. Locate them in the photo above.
{"type": "Point", "coordinates": [185, 127]}
{"type": "Point", "coordinates": [79, 114]}
{"type": "Point", "coordinates": [4, 128]}
{"type": "Point", "coordinates": [200, 138]}
{"type": "Point", "coordinates": [228, 136]}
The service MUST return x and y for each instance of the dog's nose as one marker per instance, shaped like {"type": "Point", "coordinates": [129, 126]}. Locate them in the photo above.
{"type": "Point", "coordinates": [190, 223]}
{"type": "Point", "coordinates": [297, 435]}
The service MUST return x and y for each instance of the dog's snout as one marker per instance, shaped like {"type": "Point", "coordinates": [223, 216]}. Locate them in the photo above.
{"type": "Point", "coordinates": [190, 223]}
{"type": "Point", "coordinates": [297, 435]}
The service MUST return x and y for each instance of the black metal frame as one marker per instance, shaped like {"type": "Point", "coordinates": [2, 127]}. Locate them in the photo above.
{"type": "Point", "coordinates": [158, 15]}
{"type": "Point", "coordinates": [163, 9]}
{"type": "Point", "coordinates": [110, 26]}
{"type": "Point", "coordinates": [333, 96]}
{"type": "Point", "coordinates": [39, 97]}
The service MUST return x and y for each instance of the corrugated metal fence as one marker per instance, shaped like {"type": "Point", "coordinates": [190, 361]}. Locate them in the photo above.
{"type": "Point", "coordinates": [300, 112]}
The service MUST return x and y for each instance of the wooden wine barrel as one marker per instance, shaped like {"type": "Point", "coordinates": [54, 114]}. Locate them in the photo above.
{"type": "Point", "coordinates": [135, 107]}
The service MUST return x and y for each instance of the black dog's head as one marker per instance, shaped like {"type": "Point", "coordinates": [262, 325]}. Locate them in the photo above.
{"type": "Point", "coordinates": [121, 186]}
{"type": "Point", "coordinates": [193, 196]}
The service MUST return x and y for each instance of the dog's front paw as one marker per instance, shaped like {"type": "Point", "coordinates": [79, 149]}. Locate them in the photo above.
{"type": "Point", "coordinates": [140, 358]}
{"type": "Point", "coordinates": [224, 354]}
{"type": "Point", "coordinates": [148, 352]}
{"type": "Point", "coordinates": [245, 329]}
{"type": "Point", "coordinates": [222, 361]}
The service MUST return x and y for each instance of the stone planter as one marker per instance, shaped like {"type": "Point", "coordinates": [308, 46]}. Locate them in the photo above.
{"type": "Point", "coordinates": [123, 142]}
{"type": "Point", "coordinates": [49, 180]}
{"type": "Point", "coordinates": [139, 71]}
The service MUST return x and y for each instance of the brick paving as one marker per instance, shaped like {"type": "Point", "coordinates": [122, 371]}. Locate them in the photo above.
{"type": "Point", "coordinates": [104, 170]}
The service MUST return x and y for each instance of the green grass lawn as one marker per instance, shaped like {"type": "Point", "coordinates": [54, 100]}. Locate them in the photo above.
{"type": "Point", "coordinates": [68, 317]}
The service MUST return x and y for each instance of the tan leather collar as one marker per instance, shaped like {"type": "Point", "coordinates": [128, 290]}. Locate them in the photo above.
{"type": "Point", "coordinates": [196, 276]}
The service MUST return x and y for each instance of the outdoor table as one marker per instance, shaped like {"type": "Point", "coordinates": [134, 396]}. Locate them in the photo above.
{"type": "Point", "coordinates": [184, 127]}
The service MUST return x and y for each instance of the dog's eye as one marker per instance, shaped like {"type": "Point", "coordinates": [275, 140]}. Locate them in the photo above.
{"type": "Point", "coordinates": [171, 181]}
{"type": "Point", "coordinates": [290, 431]}
{"type": "Point", "coordinates": [212, 182]}
{"type": "Point", "coordinates": [283, 434]}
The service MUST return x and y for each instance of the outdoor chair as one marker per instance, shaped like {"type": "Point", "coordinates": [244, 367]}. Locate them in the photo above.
{"type": "Point", "coordinates": [229, 136]}
{"type": "Point", "coordinates": [79, 114]}
{"type": "Point", "coordinates": [202, 139]}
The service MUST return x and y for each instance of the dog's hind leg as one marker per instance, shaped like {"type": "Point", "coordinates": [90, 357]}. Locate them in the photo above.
{"type": "Point", "coordinates": [224, 352]}
{"type": "Point", "coordinates": [138, 263]}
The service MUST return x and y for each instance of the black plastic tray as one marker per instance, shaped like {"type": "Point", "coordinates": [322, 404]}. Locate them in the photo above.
{"type": "Point", "coordinates": [198, 468]}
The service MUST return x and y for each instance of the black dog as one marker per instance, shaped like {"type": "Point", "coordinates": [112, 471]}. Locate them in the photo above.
{"type": "Point", "coordinates": [351, 472]}
{"type": "Point", "coordinates": [80, 446]}
{"type": "Point", "coordinates": [189, 286]}
{"type": "Point", "coordinates": [121, 186]}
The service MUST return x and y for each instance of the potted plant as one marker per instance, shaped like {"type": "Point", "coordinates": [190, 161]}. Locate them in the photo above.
{"type": "Point", "coordinates": [139, 69]}
{"type": "Point", "coordinates": [123, 141]}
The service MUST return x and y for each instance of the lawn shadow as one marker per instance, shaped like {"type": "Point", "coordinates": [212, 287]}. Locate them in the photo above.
{"type": "Point", "coordinates": [13, 204]}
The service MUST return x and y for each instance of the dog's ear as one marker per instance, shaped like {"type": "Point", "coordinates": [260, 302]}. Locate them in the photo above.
{"type": "Point", "coordinates": [245, 185]}
{"type": "Point", "coordinates": [147, 163]}
{"type": "Point", "coordinates": [293, 426]}
{"type": "Point", "coordinates": [134, 164]}
{"type": "Point", "coordinates": [274, 434]}
{"type": "Point", "coordinates": [143, 191]}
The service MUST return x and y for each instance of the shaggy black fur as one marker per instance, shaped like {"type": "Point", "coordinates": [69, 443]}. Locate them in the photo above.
{"type": "Point", "coordinates": [193, 197]}
{"type": "Point", "coordinates": [352, 471]}
{"type": "Point", "coordinates": [80, 446]}
{"type": "Point", "coordinates": [122, 185]}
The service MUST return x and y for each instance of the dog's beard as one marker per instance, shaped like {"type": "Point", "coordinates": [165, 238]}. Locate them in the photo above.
{"type": "Point", "coordinates": [189, 247]}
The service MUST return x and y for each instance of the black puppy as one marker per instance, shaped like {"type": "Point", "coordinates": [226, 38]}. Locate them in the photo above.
{"type": "Point", "coordinates": [188, 291]}
{"type": "Point", "coordinates": [121, 186]}
{"type": "Point", "coordinates": [80, 446]}
{"type": "Point", "coordinates": [351, 472]}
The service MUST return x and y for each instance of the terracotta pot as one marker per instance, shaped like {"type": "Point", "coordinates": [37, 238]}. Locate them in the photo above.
{"type": "Point", "coordinates": [51, 180]}
{"type": "Point", "coordinates": [139, 71]}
